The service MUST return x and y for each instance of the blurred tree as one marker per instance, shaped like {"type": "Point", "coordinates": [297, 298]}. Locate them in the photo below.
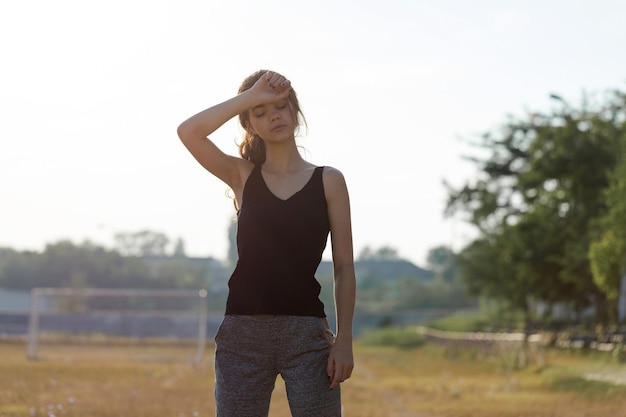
{"type": "Point", "coordinates": [65, 264]}
{"type": "Point", "coordinates": [607, 252]}
{"type": "Point", "coordinates": [607, 259]}
{"type": "Point", "coordinates": [19, 270]}
{"type": "Point", "coordinates": [142, 243]}
{"type": "Point", "coordinates": [179, 249]}
{"type": "Point", "coordinates": [365, 253]}
{"type": "Point", "coordinates": [534, 202]}
{"type": "Point", "coordinates": [485, 269]}
{"type": "Point", "coordinates": [384, 253]}
{"type": "Point", "coordinates": [5, 254]}
{"type": "Point", "coordinates": [441, 260]}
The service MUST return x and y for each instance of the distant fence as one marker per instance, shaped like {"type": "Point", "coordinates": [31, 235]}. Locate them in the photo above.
{"type": "Point", "coordinates": [129, 324]}
{"type": "Point", "coordinates": [140, 313]}
{"type": "Point", "coordinates": [13, 324]}
{"type": "Point", "coordinates": [488, 341]}
{"type": "Point", "coordinates": [115, 324]}
{"type": "Point", "coordinates": [485, 343]}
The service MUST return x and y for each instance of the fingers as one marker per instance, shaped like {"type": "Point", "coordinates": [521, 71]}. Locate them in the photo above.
{"type": "Point", "coordinates": [333, 375]}
{"type": "Point", "coordinates": [330, 369]}
{"type": "Point", "coordinates": [340, 363]}
{"type": "Point", "coordinates": [338, 373]}
{"type": "Point", "coordinates": [335, 381]}
{"type": "Point", "coordinates": [277, 81]}
{"type": "Point", "coordinates": [270, 87]}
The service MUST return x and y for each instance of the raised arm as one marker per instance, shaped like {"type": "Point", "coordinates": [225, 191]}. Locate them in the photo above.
{"type": "Point", "coordinates": [194, 131]}
{"type": "Point", "coordinates": [340, 361]}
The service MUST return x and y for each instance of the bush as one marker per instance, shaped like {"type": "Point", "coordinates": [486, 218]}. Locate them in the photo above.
{"type": "Point", "coordinates": [489, 318]}
{"type": "Point", "coordinates": [462, 322]}
{"type": "Point", "coordinates": [401, 338]}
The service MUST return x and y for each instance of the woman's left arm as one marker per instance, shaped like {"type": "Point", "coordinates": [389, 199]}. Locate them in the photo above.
{"type": "Point", "coordinates": [341, 360]}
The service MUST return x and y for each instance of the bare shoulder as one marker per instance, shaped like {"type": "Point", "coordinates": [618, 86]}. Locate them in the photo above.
{"type": "Point", "coordinates": [332, 176]}
{"type": "Point", "coordinates": [334, 182]}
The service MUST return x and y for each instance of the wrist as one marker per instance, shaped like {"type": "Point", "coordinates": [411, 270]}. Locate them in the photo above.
{"type": "Point", "coordinates": [249, 99]}
{"type": "Point", "coordinates": [343, 338]}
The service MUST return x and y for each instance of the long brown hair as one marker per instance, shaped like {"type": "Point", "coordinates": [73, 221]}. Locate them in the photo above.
{"type": "Point", "coordinates": [252, 146]}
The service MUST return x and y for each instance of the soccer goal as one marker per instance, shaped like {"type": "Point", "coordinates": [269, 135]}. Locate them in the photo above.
{"type": "Point", "coordinates": [129, 314]}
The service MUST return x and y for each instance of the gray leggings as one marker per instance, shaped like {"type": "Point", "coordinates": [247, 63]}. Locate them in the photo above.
{"type": "Point", "coordinates": [250, 351]}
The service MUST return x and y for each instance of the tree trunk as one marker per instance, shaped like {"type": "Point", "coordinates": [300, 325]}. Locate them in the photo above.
{"type": "Point", "coordinates": [602, 309]}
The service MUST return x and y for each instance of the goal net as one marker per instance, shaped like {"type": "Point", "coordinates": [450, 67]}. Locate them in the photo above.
{"type": "Point", "coordinates": [115, 314]}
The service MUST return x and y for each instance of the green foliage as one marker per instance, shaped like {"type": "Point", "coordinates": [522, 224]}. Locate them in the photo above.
{"type": "Point", "coordinates": [462, 322]}
{"type": "Point", "coordinates": [148, 243]}
{"type": "Point", "coordinates": [607, 252]}
{"type": "Point", "coordinates": [385, 321]}
{"type": "Point", "coordinates": [437, 293]}
{"type": "Point", "coordinates": [491, 317]}
{"type": "Point", "coordinates": [535, 202]}
{"type": "Point", "coordinates": [385, 253]}
{"type": "Point", "coordinates": [441, 260]}
{"type": "Point", "coordinates": [378, 294]}
{"type": "Point", "coordinates": [383, 285]}
{"type": "Point", "coordinates": [619, 353]}
{"type": "Point", "coordinates": [400, 338]}
{"type": "Point", "coordinates": [386, 285]}
{"type": "Point", "coordinates": [66, 264]}
{"type": "Point", "coordinates": [179, 249]}
{"type": "Point", "coordinates": [607, 256]}
{"type": "Point", "coordinates": [582, 386]}
{"type": "Point", "coordinates": [485, 269]}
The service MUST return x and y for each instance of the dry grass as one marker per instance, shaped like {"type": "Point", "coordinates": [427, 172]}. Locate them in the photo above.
{"type": "Point", "coordinates": [98, 381]}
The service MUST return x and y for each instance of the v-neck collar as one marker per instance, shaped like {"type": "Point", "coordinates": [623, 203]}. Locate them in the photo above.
{"type": "Point", "coordinates": [292, 195]}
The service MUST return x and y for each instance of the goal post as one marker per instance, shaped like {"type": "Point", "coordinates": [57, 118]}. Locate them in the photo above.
{"type": "Point", "coordinates": [130, 304]}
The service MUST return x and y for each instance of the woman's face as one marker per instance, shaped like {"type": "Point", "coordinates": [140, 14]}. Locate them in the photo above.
{"type": "Point", "coordinates": [274, 121]}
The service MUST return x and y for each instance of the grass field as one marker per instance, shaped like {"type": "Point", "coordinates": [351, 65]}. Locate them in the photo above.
{"type": "Point", "coordinates": [159, 381]}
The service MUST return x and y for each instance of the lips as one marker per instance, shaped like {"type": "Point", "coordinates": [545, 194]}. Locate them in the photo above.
{"type": "Point", "coordinates": [277, 128]}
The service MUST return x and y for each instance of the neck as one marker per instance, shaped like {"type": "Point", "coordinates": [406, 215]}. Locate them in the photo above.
{"type": "Point", "coordinates": [282, 157]}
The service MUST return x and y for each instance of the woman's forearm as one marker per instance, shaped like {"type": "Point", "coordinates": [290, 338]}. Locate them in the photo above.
{"type": "Point", "coordinates": [208, 121]}
{"type": "Point", "coordinates": [345, 298]}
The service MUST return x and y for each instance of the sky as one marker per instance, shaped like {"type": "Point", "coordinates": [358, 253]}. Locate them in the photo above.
{"type": "Point", "coordinates": [91, 94]}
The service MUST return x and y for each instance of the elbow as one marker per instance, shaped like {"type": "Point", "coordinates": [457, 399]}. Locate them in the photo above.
{"type": "Point", "coordinates": [189, 134]}
{"type": "Point", "coordinates": [184, 131]}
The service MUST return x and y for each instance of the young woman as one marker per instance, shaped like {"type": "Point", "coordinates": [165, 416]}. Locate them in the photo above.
{"type": "Point", "coordinates": [274, 321]}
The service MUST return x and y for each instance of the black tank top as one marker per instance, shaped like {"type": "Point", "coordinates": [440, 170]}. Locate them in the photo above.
{"type": "Point", "coordinates": [280, 245]}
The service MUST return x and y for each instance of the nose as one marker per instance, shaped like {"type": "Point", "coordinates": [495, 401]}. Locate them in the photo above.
{"type": "Point", "coordinates": [274, 116]}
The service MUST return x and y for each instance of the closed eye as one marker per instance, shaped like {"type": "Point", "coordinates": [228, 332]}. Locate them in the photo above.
{"type": "Point", "coordinates": [261, 109]}
{"type": "Point", "coordinates": [258, 111]}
